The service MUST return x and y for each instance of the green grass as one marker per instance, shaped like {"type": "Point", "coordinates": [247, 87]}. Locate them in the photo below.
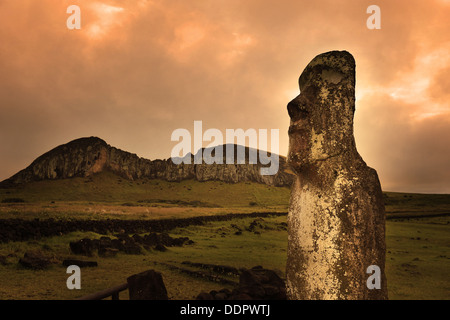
{"type": "Point", "coordinates": [418, 258]}
{"type": "Point", "coordinates": [106, 195]}
{"type": "Point", "coordinates": [215, 243]}
{"type": "Point", "coordinates": [416, 204]}
{"type": "Point", "coordinates": [107, 187]}
{"type": "Point", "coordinates": [416, 268]}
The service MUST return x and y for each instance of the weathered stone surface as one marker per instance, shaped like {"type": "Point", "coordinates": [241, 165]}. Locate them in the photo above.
{"type": "Point", "coordinates": [205, 296]}
{"type": "Point", "coordinates": [262, 284]}
{"type": "Point", "coordinates": [336, 220]}
{"type": "Point", "coordinates": [107, 247]}
{"type": "Point", "coordinates": [87, 156]}
{"type": "Point", "coordinates": [84, 247]}
{"type": "Point", "coordinates": [35, 260]}
{"type": "Point", "coordinates": [160, 247]}
{"type": "Point", "coordinates": [256, 283]}
{"type": "Point", "coordinates": [132, 248]}
{"type": "Point", "coordinates": [148, 285]}
{"type": "Point", "coordinates": [26, 229]}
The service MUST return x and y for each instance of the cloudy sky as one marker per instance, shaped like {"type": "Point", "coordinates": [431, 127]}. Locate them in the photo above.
{"type": "Point", "coordinates": [137, 70]}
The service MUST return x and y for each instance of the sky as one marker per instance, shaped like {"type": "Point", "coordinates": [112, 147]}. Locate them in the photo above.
{"type": "Point", "coordinates": [138, 70]}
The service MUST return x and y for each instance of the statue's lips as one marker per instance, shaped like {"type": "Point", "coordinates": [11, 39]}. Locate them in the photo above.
{"type": "Point", "coordinates": [298, 137]}
{"type": "Point", "coordinates": [296, 130]}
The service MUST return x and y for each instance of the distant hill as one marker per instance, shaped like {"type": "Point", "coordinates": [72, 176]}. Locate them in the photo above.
{"type": "Point", "coordinates": [90, 170]}
{"type": "Point", "coordinates": [85, 157]}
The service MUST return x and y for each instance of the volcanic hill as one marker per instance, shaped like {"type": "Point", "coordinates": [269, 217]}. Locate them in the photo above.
{"type": "Point", "coordinates": [85, 157]}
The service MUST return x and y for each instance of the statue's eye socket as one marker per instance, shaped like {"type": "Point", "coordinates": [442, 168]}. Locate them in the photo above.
{"type": "Point", "coordinates": [297, 110]}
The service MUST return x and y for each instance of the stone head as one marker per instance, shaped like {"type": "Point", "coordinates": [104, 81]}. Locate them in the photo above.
{"type": "Point", "coordinates": [321, 115]}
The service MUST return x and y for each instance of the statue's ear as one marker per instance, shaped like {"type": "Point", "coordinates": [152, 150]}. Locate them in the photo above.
{"type": "Point", "coordinates": [332, 75]}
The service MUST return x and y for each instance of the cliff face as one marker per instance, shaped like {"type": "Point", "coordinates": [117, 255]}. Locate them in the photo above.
{"type": "Point", "coordinates": [86, 156]}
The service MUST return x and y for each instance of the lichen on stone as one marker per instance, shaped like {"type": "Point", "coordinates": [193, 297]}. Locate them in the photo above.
{"type": "Point", "coordinates": [336, 214]}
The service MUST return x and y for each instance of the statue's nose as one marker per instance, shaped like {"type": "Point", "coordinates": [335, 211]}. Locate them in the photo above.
{"type": "Point", "coordinates": [297, 108]}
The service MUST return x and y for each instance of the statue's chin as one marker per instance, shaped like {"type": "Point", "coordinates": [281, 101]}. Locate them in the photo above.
{"type": "Point", "coordinates": [296, 164]}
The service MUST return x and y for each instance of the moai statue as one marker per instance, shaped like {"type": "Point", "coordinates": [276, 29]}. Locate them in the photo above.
{"type": "Point", "coordinates": [336, 221]}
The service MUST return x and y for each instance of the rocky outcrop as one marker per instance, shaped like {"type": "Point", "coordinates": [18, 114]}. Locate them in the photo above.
{"type": "Point", "coordinates": [148, 285]}
{"type": "Point", "coordinates": [35, 260]}
{"type": "Point", "coordinates": [26, 229]}
{"type": "Point", "coordinates": [87, 156]}
{"type": "Point", "coordinates": [256, 283]}
{"type": "Point", "coordinates": [106, 246]}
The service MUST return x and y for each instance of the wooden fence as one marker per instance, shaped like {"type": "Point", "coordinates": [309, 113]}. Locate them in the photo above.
{"type": "Point", "coordinates": [111, 292]}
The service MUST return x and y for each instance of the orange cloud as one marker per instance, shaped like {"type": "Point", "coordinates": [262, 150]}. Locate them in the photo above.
{"type": "Point", "coordinates": [137, 70]}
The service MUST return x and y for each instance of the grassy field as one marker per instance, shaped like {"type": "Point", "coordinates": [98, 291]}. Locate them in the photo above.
{"type": "Point", "coordinates": [418, 249]}
{"type": "Point", "coordinates": [109, 188]}
{"type": "Point", "coordinates": [418, 260]}
{"type": "Point", "coordinates": [106, 195]}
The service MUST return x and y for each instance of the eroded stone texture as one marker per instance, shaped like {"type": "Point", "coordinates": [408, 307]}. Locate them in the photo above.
{"type": "Point", "coordinates": [336, 219]}
{"type": "Point", "coordinates": [148, 285]}
{"type": "Point", "coordinates": [87, 156]}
